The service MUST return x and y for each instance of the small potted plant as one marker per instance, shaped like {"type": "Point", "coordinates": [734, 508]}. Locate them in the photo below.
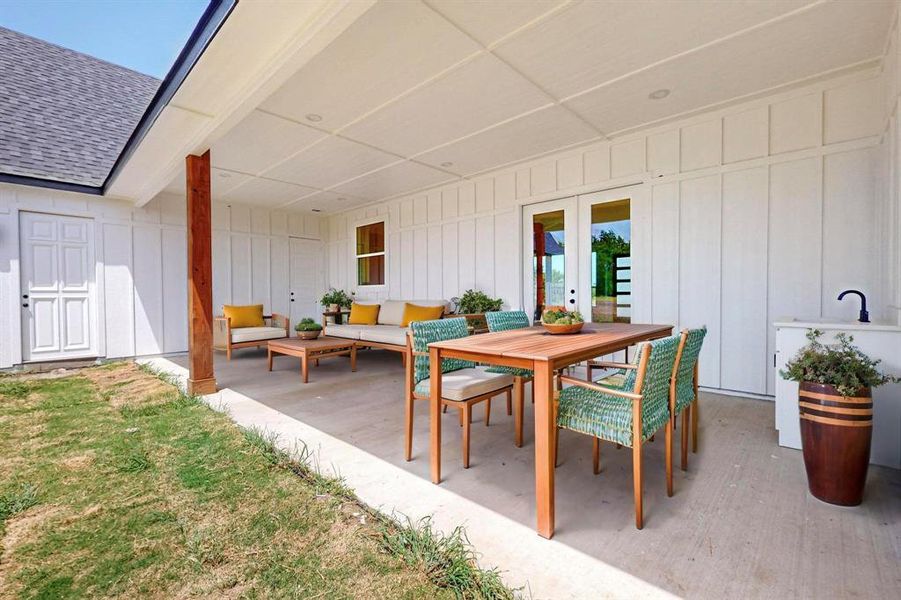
{"type": "Point", "coordinates": [473, 305]}
{"type": "Point", "coordinates": [562, 321]}
{"type": "Point", "coordinates": [836, 411]}
{"type": "Point", "coordinates": [334, 300]}
{"type": "Point", "coordinates": [308, 329]}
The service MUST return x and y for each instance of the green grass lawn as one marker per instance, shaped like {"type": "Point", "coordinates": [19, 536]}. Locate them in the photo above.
{"type": "Point", "coordinates": [114, 484]}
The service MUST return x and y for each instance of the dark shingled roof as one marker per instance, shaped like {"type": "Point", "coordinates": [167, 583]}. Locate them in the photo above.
{"type": "Point", "coordinates": [64, 115]}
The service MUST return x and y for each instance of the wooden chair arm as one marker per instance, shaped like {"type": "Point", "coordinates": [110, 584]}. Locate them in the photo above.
{"type": "Point", "coordinates": [221, 332]}
{"type": "Point", "coordinates": [600, 388]}
{"type": "Point", "coordinates": [601, 364]}
{"type": "Point", "coordinates": [278, 320]}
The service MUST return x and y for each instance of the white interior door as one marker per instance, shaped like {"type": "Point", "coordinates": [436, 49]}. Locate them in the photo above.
{"type": "Point", "coordinates": [58, 292]}
{"type": "Point", "coordinates": [553, 225]}
{"type": "Point", "coordinates": [307, 279]}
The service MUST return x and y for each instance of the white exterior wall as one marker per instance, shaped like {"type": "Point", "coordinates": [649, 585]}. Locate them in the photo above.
{"type": "Point", "coordinates": [141, 269]}
{"type": "Point", "coordinates": [760, 210]}
{"type": "Point", "coordinates": [888, 169]}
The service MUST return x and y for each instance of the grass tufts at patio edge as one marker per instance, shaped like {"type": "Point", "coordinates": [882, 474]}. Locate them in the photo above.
{"type": "Point", "coordinates": [449, 561]}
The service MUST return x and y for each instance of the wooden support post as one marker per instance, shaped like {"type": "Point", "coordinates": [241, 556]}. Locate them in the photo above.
{"type": "Point", "coordinates": [201, 379]}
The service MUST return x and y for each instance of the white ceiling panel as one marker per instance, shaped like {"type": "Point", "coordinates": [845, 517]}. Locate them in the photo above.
{"type": "Point", "coordinates": [259, 141]}
{"type": "Point", "coordinates": [742, 65]}
{"type": "Point", "coordinates": [330, 162]}
{"type": "Point", "coordinates": [267, 192]}
{"type": "Point", "coordinates": [391, 48]}
{"type": "Point", "coordinates": [325, 202]}
{"type": "Point", "coordinates": [489, 21]}
{"type": "Point", "coordinates": [221, 182]}
{"type": "Point", "coordinates": [594, 42]}
{"type": "Point", "coordinates": [533, 134]}
{"type": "Point", "coordinates": [472, 97]}
{"type": "Point", "coordinates": [396, 179]}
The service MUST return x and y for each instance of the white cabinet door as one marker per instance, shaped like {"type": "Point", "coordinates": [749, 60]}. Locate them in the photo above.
{"type": "Point", "coordinates": [306, 279]}
{"type": "Point", "coordinates": [58, 291]}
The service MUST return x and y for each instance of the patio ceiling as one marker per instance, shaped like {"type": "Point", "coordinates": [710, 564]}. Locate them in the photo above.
{"type": "Point", "coordinates": [415, 94]}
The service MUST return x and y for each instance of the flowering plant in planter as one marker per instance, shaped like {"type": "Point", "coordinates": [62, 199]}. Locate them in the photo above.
{"type": "Point", "coordinates": [835, 407]}
{"type": "Point", "coordinates": [335, 297]}
{"type": "Point", "coordinates": [840, 365]}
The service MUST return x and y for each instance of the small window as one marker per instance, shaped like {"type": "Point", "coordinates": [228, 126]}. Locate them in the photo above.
{"type": "Point", "coordinates": [371, 254]}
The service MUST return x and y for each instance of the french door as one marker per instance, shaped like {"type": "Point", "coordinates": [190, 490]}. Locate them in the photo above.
{"type": "Point", "coordinates": [307, 279]}
{"type": "Point", "coordinates": [58, 292]}
{"type": "Point", "coordinates": [578, 255]}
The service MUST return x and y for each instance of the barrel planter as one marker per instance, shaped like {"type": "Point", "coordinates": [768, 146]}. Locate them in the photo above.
{"type": "Point", "coordinates": [835, 434]}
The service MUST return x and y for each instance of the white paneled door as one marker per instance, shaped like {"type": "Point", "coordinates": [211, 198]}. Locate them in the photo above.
{"type": "Point", "coordinates": [307, 279]}
{"type": "Point", "coordinates": [58, 292]}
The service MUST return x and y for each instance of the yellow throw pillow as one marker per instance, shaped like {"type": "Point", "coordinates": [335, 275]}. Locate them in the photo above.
{"type": "Point", "coordinates": [245, 316]}
{"type": "Point", "coordinates": [412, 312]}
{"type": "Point", "coordinates": [363, 314]}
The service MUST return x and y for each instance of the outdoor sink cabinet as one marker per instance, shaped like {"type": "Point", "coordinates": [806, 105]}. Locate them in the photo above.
{"type": "Point", "coordinates": [877, 340]}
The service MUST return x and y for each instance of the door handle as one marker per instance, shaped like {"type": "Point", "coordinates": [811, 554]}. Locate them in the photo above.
{"type": "Point", "coordinates": [292, 299]}
{"type": "Point", "coordinates": [25, 296]}
{"type": "Point", "coordinates": [24, 305]}
{"type": "Point", "coordinates": [572, 301]}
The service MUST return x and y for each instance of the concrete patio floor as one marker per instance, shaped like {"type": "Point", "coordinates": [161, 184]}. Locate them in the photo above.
{"type": "Point", "coordinates": [741, 523]}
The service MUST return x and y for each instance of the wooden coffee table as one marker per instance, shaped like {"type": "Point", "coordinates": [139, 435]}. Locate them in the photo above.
{"type": "Point", "coordinates": [307, 350]}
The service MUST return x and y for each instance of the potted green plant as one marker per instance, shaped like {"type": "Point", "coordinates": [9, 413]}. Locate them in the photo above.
{"type": "Point", "coordinates": [836, 411]}
{"type": "Point", "coordinates": [335, 300]}
{"type": "Point", "coordinates": [308, 329]}
{"type": "Point", "coordinates": [475, 302]}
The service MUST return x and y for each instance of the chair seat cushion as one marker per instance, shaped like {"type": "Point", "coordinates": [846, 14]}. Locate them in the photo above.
{"type": "Point", "coordinates": [515, 371]}
{"type": "Point", "coordinates": [350, 332]}
{"type": "Point", "coordinates": [253, 334]}
{"type": "Point", "coordinates": [467, 383]}
{"type": "Point", "coordinates": [613, 380]}
{"type": "Point", "coordinates": [384, 334]}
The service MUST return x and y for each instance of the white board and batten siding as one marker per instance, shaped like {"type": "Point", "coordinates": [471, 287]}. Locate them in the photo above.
{"type": "Point", "coordinates": [756, 211]}
{"type": "Point", "coordinates": [141, 265]}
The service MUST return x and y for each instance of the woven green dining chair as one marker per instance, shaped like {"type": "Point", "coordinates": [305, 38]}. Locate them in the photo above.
{"type": "Point", "coordinates": [505, 321]}
{"type": "Point", "coordinates": [686, 396]}
{"type": "Point", "coordinates": [628, 415]}
{"type": "Point", "coordinates": [463, 384]}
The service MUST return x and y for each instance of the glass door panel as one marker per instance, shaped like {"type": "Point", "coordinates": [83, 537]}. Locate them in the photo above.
{"type": "Point", "coordinates": [611, 262]}
{"type": "Point", "coordinates": [550, 277]}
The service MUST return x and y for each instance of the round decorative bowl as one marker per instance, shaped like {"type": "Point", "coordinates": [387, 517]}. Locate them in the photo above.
{"type": "Point", "coordinates": [555, 329]}
{"type": "Point", "coordinates": [309, 335]}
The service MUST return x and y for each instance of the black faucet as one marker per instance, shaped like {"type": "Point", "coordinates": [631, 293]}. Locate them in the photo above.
{"type": "Point", "coordinates": [864, 315]}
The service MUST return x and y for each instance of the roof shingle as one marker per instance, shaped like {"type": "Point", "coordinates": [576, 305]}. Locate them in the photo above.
{"type": "Point", "coordinates": [64, 115]}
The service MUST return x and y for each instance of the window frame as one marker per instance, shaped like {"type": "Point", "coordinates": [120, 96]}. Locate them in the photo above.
{"type": "Point", "coordinates": [383, 219]}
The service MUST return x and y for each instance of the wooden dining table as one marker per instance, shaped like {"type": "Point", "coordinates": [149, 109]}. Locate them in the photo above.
{"type": "Point", "coordinates": [533, 348]}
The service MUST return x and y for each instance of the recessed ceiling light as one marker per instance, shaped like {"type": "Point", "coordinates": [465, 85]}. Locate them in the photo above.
{"type": "Point", "coordinates": [314, 118]}
{"type": "Point", "coordinates": [341, 199]}
{"type": "Point", "coordinates": [317, 210]}
{"type": "Point", "coordinates": [447, 164]}
{"type": "Point", "coordinates": [658, 94]}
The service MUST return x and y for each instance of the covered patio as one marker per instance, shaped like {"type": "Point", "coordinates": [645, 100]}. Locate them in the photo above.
{"type": "Point", "coordinates": [741, 522]}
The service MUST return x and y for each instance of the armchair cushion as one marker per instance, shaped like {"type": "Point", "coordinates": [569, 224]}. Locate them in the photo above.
{"type": "Point", "coordinates": [253, 334]}
{"type": "Point", "coordinates": [466, 383]}
{"type": "Point", "coordinates": [244, 316]}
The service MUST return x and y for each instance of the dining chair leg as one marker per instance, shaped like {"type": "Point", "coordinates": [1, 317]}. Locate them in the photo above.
{"type": "Point", "coordinates": [409, 427]}
{"type": "Point", "coordinates": [467, 422]}
{"type": "Point", "coordinates": [444, 408]}
{"type": "Point", "coordinates": [519, 387]}
{"type": "Point", "coordinates": [669, 457]}
{"type": "Point", "coordinates": [556, 444]}
{"type": "Point", "coordinates": [461, 417]}
{"type": "Point", "coordinates": [651, 439]}
{"type": "Point", "coordinates": [684, 456]}
{"type": "Point", "coordinates": [694, 425]}
{"type": "Point", "coordinates": [487, 411]}
{"type": "Point", "coordinates": [596, 454]}
{"type": "Point", "coordinates": [636, 463]}
{"type": "Point", "coordinates": [619, 446]}
{"type": "Point", "coordinates": [510, 398]}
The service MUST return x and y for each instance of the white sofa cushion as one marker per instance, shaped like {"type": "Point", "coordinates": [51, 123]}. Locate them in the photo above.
{"type": "Point", "coordinates": [384, 334]}
{"type": "Point", "coordinates": [253, 334]}
{"type": "Point", "coordinates": [351, 332]}
{"type": "Point", "coordinates": [467, 383]}
{"type": "Point", "coordinates": [392, 311]}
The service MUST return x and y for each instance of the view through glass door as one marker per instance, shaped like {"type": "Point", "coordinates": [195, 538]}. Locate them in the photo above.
{"type": "Point", "coordinates": [579, 253]}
